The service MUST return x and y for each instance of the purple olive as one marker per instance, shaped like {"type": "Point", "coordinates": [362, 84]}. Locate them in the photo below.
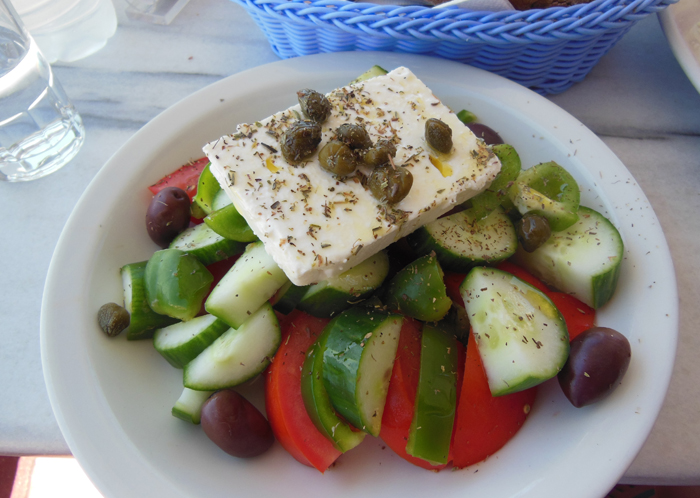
{"type": "Point", "coordinates": [485, 133]}
{"type": "Point", "coordinates": [167, 215]}
{"type": "Point", "coordinates": [235, 425]}
{"type": "Point", "coordinates": [598, 360]}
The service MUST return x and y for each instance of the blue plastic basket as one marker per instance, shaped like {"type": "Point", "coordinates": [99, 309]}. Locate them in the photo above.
{"type": "Point", "coordinates": [547, 50]}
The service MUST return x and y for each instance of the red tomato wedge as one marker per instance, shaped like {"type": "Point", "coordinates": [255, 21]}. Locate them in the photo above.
{"type": "Point", "coordinates": [484, 424]}
{"type": "Point", "coordinates": [285, 407]}
{"type": "Point", "coordinates": [452, 283]}
{"type": "Point", "coordinates": [578, 316]}
{"type": "Point", "coordinates": [185, 178]}
{"type": "Point", "coordinates": [401, 397]}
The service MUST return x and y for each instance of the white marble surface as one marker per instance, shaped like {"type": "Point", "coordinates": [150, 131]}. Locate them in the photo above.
{"type": "Point", "coordinates": [638, 100]}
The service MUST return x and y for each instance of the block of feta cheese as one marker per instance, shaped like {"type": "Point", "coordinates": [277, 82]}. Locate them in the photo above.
{"type": "Point", "coordinates": [316, 225]}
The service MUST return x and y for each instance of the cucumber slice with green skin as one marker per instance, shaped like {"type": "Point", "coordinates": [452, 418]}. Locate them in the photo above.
{"type": "Point", "coordinates": [370, 73]}
{"type": "Point", "coordinates": [176, 284]}
{"type": "Point", "coordinates": [236, 356]}
{"type": "Point", "coordinates": [488, 200]}
{"type": "Point", "coordinates": [548, 190]}
{"type": "Point", "coordinates": [419, 291]}
{"type": "Point", "coordinates": [521, 336]}
{"type": "Point", "coordinates": [182, 342]}
{"type": "Point", "coordinates": [221, 200]}
{"type": "Point", "coordinates": [207, 188]}
{"type": "Point", "coordinates": [329, 297]}
{"type": "Point", "coordinates": [287, 297]}
{"type": "Point", "coordinates": [144, 320]}
{"type": "Point", "coordinates": [436, 399]}
{"type": "Point", "coordinates": [357, 363]}
{"type": "Point", "coordinates": [583, 260]}
{"type": "Point", "coordinates": [318, 403]}
{"type": "Point", "coordinates": [206, 245]}
{"type": "Point", "coordinates": [461, 240]}
{"type": "Point", "coordinates": [252, 280]}
{"type": "Point", "coordinates": [229, 223]}
{"type": "Point", "coordinates": [188, 407]}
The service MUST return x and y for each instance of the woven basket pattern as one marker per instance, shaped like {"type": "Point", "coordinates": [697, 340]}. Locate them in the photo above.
{"type": "Point", "coordinates": [547, 50]}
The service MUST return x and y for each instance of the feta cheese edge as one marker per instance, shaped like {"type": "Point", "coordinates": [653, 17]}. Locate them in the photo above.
{"type": "Point", "coordinates": [329, 247]}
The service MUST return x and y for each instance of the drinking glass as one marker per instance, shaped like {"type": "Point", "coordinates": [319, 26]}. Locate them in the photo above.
{"type": "Point", "coordinates": [40, 130]}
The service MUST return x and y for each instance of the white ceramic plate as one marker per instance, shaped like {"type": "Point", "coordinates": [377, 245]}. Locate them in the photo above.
{"type": "Point", "coordinates": [681, 25]}
{"type": "Point", "coordinates": [112, 398]}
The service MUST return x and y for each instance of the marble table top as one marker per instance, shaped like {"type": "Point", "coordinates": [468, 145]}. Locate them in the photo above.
{"type": "Point", "coordinates": [637, 99]}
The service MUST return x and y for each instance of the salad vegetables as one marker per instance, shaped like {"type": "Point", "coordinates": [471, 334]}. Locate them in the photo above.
{"type": "Point", "coordinates": [436, 344]}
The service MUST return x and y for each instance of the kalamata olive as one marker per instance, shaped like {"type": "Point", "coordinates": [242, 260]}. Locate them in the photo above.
{"type": "Point", "coordinates": [354, 135]}
{"type": "Point", "coordinates": [300, 141]}
{"type": "Point", "coordinates": [314, 105]}
{"type": "Point", "coordinates": [390, 184]}
{"type": "Point", "coordinates": [337, 158]}
{"type": "Point", "coordinates": [533, 230]}
{"type": "Point", "coordinates": [598, 360]}
{"type": "Point", "coordinates": [379, 153]}
{"type": "Point", "coordinates": [438, 135]}
{"type": "Point", "coordinates": [168, 215]}
{"type": "Point", "coordinates": [235, 425]}
{"type": "Point", "coordinates": [485, 133]}
{"type": "Point", "coordinates": [112, 319]}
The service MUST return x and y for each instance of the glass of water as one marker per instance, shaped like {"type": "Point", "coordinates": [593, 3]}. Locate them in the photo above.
{"type": "Point", "coordinates": [40, 130]}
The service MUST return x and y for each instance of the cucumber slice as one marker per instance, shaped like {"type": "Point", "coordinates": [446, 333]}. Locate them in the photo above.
{"type": "Point", "coordinates": [252, 280]}
{"type": "Point", "coordinates": [206, 245]}
{"type": "Point", "coordinates": [287, 297]}
{"type": "Point", "coordinates": [548, 190]}
{"type": "Point", "coordinates": [370, 73]}
{"type": "Point", "coordinates": [176, 283]}
{"type": "Point", "coordinates": [143, 319]}
{"type": "Point", "coordinates": [221, 200]}
{"type": "Point", "coordinates": [462, 240]}
{"type": "Point", "coordinates": [583, 260]}
{"type": "Point", "coordinates": [236, 356]}
{"type": "Point", "coordinates": [521, 336]}
{"type": "Point", "coordinates": [330, 297]}
{"type": "Point", "coordinates": [436, 400]}
{"type": "Point", "coordinates": [207, 188]}
{"type": "Point", "coordinates": [229, 223]}
{"type": "Point", "coordinates": [318, 403]}
{"type": "Point", "coordinates": [188, 407]}
{"type": "Point", "coordinates": [358, 360]}
{"type": "Point", "coordinates": [419, 291]}
{"type": "Point", "coordinates": [182, 342]}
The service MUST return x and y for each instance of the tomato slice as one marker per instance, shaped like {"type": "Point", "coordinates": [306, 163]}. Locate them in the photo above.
{"type": "Point", "coordinates": [285, 407]}
{"type": "Point", "coordinates": [401, 397]}
{"type": "Point", "coordinates": [484, 424]}
{"type": "Point", "coordinates": [578, 316]}
{"type": "Point", "coordinates": [185, 178]}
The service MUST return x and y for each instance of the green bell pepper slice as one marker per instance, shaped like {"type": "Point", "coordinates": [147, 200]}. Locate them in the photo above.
{"type": "Point", "coordinates": [436, 400]}
{"type": "Point", "coordinates": [176, 283]}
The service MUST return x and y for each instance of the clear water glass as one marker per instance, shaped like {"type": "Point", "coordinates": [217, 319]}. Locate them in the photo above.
{"type": "Point", "coordinates": [40, 130]}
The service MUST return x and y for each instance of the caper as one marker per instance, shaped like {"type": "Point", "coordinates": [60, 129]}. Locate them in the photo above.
{"type": "Point", "coordinates": [113, 319]}
{"type": "Point", "coordinates": [300, 141]}
{"type": "Point", "coordinates": [438, 135]}
{"type": "Point", "coordinates": [354, 135]}
{"type": "Point", "coordinates": [379, 153]}
{"type": "Point", "coordinates": [314, 105]}
{"type": "Point", "coordinates": [337, 158]}
{"type": "Point", "coordinates": [533, 230]}
{"type": "Point", "coordinates": [390, 184]}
